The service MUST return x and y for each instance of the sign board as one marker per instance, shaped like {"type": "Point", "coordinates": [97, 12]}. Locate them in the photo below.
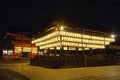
{"type": "Point", "coordinates": [18, 49]}
{"type": "Point", "coordinates": [26, 49]}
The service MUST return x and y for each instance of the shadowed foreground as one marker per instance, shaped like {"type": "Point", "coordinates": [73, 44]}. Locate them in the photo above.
{"type": "Point", "coordinates": [8, 74]}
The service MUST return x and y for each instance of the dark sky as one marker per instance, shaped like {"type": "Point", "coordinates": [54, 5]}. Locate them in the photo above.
{"type": "Point", "coordinates": [35, 15]}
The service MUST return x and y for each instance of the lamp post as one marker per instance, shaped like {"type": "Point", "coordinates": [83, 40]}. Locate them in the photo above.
{"type": "Point", "coordinates": [84, 55]}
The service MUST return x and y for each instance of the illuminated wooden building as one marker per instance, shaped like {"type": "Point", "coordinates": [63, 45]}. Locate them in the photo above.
{"type": "Point", "coordinates": [65, 38]}
{"type": "Point", "coordinates": [62, 41]}
{"type": "Point", "coordinates": [19, 45]}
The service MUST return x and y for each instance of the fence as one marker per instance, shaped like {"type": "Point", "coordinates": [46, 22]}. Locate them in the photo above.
{"type": "Point", "coordinates": [74, 61]}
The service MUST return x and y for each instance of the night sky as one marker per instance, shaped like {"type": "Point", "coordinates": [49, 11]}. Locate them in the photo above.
{"type": "Point", "coordinates": [35, 15]}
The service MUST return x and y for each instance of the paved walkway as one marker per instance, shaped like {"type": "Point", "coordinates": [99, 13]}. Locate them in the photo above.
{"type": "Point", "coordinates": [8, 74]}
{"type": "Point", "coordinates": [84, 73]}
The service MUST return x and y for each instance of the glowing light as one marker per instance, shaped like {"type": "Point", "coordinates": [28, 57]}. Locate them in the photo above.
{"type": "Point", "coordinates": [113, 36]}
{"type": "Point", "coordinates": [61, 27]}
{"type": "Point", "coordinates": [45, 37]}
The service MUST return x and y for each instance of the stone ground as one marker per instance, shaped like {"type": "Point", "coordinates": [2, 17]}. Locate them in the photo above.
{"type": "Point", "coordinates": [8, 74]}
{"type": "Point", "coordinates": [40, 73]}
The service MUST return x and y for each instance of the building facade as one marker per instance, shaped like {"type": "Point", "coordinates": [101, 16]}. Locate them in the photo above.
{"type": "Point", "coordinates": [68, 39]}
{"type": "Point", "coordinates": [65, 46]}
{"type": "Point", "coordinates": [18, 45]}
